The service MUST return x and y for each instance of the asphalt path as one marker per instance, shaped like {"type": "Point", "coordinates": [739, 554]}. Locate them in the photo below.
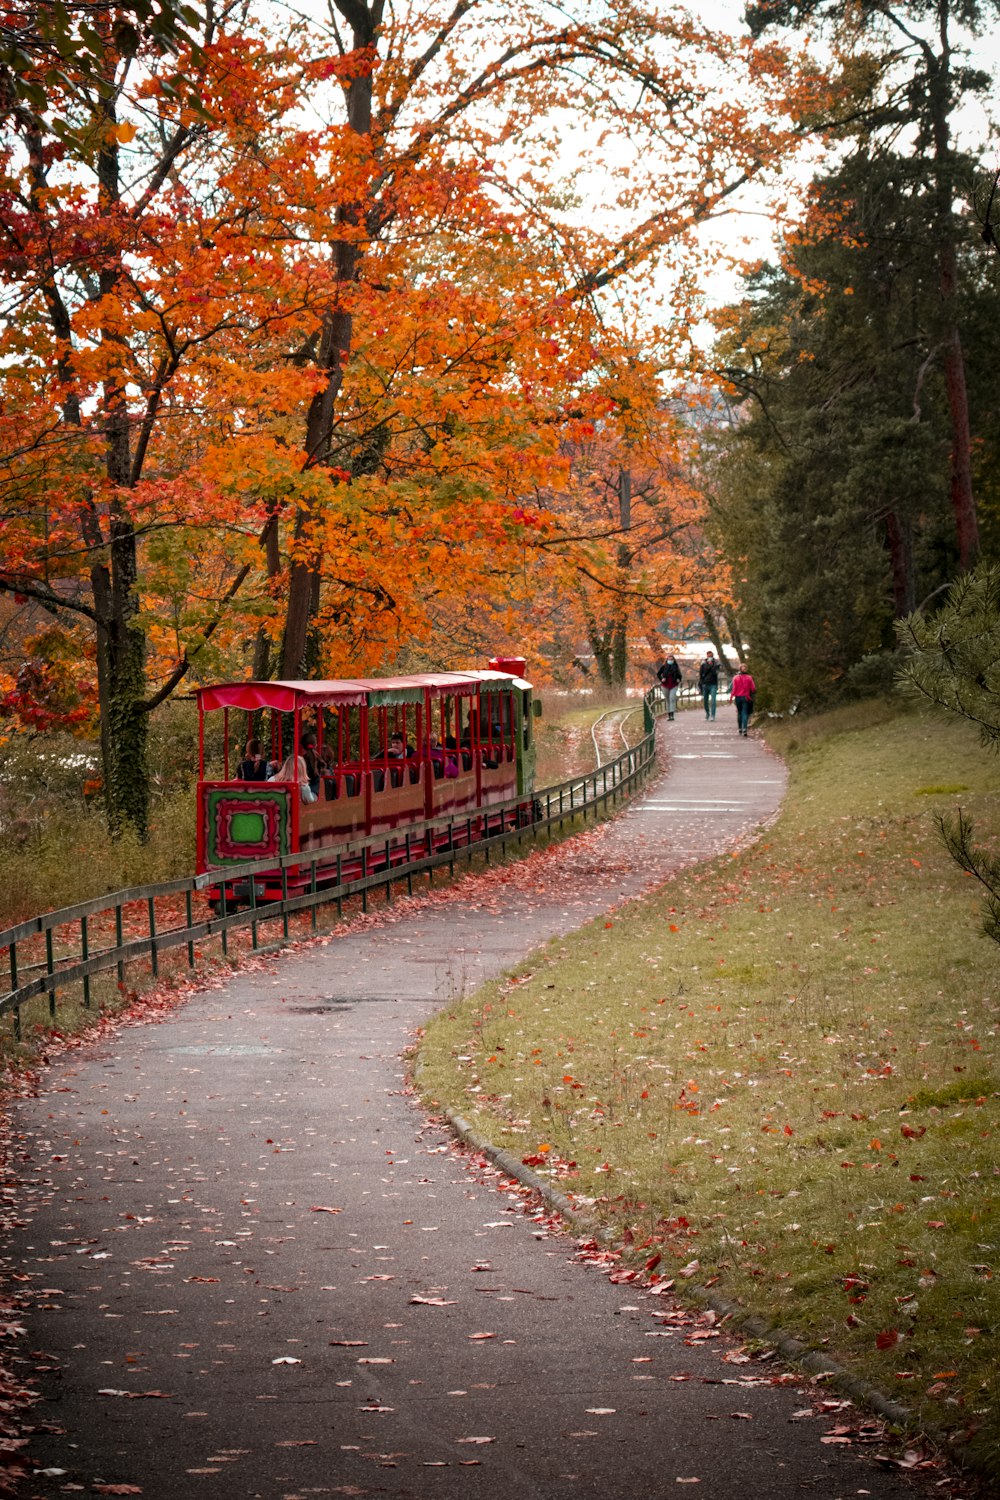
{"type": "Point", "coordinates": [252, 1267]}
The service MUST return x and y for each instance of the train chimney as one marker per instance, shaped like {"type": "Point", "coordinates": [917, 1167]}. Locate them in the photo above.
{"type": "Point", "coordinates": [516, 666]}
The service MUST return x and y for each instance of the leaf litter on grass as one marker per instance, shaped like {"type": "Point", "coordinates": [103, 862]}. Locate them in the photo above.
{"type": "Point", "coordinates": [780, 1073]}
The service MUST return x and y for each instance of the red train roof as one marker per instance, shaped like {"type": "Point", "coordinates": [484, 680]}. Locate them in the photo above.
{"type": "Point", "coordinates": [287, 697]}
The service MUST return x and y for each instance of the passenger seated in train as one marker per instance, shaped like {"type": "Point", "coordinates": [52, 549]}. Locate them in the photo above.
{"type": "Point", "coordinates": [254, 765]}
{"type": "Point", "coordinates": [311, 757]}
{"type": "Point", "coordinates": [294, 769]}
{"type": "Point", "coordinates": [442, 764]}
{"type": "Point", "coordinates": [327, 773]}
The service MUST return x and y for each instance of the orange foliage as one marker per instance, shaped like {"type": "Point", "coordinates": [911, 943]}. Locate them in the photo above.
{"type": "Point", "coordinates": [344, 327]}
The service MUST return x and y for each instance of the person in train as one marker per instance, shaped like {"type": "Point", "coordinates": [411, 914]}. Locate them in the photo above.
{"type": "Point", "coordinates": [310, 755]}
{"type": "Point", "coordinates": [294, 769]}
{"type": "Point", "coordinates": [254, 765]}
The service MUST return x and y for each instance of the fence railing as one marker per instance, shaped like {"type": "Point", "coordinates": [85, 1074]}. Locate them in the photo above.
{"type": "Point", "coordinates": [68, 947]}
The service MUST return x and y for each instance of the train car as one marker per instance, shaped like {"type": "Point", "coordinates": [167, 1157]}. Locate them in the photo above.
{"type": "Point", "coordinates": [350, 759]}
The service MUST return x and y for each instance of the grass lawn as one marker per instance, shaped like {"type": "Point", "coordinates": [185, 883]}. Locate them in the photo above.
{"type": "Point", "coordinates": [780, 1072]}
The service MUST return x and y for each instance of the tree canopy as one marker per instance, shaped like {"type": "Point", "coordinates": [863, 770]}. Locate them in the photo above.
{"type": "Point", "coordinates": [858, 479]}
{"type": "Point", "coordinates": [371, 340]}
{"type": "Point", "coordinates": [296, 355]}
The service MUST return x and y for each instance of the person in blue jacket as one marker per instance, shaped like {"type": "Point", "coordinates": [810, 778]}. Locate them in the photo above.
{"type": "Point", "coordinates": [708, 683]}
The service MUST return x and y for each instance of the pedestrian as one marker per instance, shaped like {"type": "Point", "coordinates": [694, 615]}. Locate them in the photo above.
{"type": "Point", "coordinates": [708, 683]}
{"type": "Point", "coordinates": [668, 675]}
{"type": "Point", "coordinates": [742, 693]}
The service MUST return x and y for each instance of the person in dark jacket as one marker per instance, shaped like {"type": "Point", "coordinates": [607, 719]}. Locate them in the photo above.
{"type": "Point", "coordinates": [668, 675]}
{"type": "Point", "coordinates": [253, 766]}
{"type": "Point", "coordinates": [708, 682]}
{"type": "Point", "coordinates": [310, 755]}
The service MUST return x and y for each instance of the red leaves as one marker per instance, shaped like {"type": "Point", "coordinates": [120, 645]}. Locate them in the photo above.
{"type": "Point", "coordinates": [887, 1338]}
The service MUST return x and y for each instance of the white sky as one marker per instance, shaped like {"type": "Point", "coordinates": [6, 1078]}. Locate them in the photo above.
{"type": "Point", "coordinates": [749, 230]}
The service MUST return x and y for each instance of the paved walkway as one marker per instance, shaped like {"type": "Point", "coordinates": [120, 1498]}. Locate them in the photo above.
{"type": "Point", "coordinates": [255, 1269]}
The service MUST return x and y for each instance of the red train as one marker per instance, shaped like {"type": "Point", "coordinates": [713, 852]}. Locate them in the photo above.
{"type": "Point", "coordinates": [344, 760]}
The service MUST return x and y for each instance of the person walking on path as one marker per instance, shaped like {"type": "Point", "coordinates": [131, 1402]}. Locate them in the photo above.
{"type": "Point", "coordinates": [708, 683]}
{"type": "Point", "coordinates": [668, 675]}
{"type": "Point", "coordinates": [742, 692]}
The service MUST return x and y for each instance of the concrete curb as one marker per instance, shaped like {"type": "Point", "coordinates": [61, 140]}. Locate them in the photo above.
{"type": "Point", "coordinates": [791, 1348]}
{"type": "Point", "coordinates": [786, 1344]}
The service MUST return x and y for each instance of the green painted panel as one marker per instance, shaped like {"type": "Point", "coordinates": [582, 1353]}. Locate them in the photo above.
{"type": "Point", "coordinates": [247, 828]}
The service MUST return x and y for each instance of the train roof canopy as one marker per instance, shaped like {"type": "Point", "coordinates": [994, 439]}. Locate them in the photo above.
{"type": "Point", "coordinates": [288, 697]}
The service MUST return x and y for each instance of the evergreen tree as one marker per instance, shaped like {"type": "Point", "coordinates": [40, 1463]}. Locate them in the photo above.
{"type": "Point", "coordinates": [846, 485]}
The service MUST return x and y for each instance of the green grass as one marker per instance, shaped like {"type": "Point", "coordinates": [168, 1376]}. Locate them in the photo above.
{"type": "Point", "coordinates": [784, 1067]}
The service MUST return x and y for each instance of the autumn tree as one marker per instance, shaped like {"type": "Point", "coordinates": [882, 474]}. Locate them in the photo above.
{"type": "Point", "coordinates": [138, 306]}
{"type": "Point", "coordinates": [470, 87]}
{"type": "Point", "coordinates": [284, 368]}
{"type": "Point", "coordinates": [624, 550]}
{"type": "Point", "coordinates": [41, 44]}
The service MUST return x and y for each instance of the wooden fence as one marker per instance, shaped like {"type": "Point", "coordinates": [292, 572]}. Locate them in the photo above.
{"type": "Point", "coordinates": [66, 948]}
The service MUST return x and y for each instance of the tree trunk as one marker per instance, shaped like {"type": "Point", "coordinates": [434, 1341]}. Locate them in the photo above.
{"type": "Point", "coordinates": [618, 629]}
{"type": "Point", "coordinates": [732, 625]}
{"type": "Point", "coordinates": [121, 641]}
{"type": "Point", "coordinates": [963, 503]}
{"type": "Point", "coordinates": [334, 351]}
{"type": "Point", "coordinates": [940, 90]}
{"type": "Point", "coordinates": [716, 639]}
{"type": "Point", "coordinates": [899, 535]}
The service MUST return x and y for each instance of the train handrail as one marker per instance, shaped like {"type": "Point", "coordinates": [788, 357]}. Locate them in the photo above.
{"type": "Point", "coordinates": [564, 800]}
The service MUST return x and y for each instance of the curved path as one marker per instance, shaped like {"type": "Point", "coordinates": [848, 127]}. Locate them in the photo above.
{"type": "Point", "coordinates": [255, 1269]}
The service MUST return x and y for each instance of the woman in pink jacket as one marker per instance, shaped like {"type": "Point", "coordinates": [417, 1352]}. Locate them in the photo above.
{"type": "Point", "coordinates": [742, 690]}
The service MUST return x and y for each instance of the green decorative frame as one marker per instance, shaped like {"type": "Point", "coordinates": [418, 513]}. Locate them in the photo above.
{"type": "Point", "coordinates": [241, 825]}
